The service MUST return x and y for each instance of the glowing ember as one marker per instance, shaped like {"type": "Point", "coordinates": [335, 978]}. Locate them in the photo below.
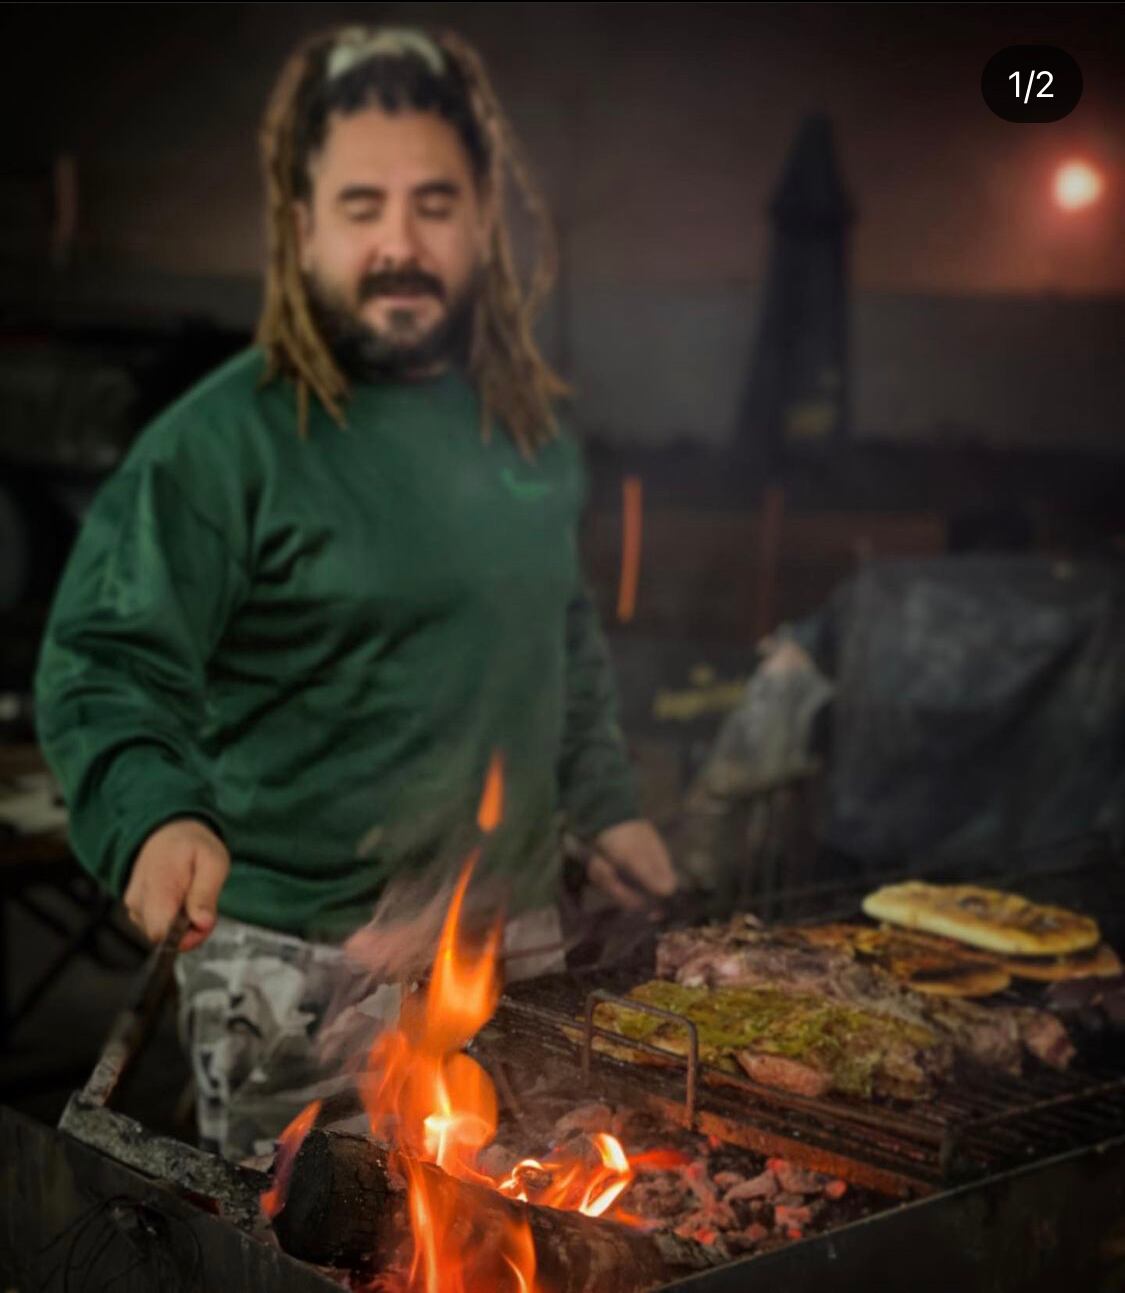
{"type": "Point", "coordinates": [660, 1160]}
{"type": "Point", "coordinates": [436, 1105]}
{"type": "Point", "coordinates": [273, 1200]}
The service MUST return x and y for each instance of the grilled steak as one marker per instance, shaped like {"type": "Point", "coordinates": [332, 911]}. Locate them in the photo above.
{"type": "Point", "coordinates": [800, 1042]}
{"type": "Point", "coordinates": [785, 1074]}
{"type": "Point", "coordinates": [992, 1036]}
{"type": "Point", "coordinates": [1044, 1037]}
{"type": "Point", "coordinates": [1093, 1005]}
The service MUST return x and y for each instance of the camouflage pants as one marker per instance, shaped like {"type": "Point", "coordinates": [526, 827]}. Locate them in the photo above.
{"type": "Point", "coordinates": [272, 1022]}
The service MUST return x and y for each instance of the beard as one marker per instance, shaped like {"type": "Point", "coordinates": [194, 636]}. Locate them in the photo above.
{"type": "Point", "coordinates": [396, 350]}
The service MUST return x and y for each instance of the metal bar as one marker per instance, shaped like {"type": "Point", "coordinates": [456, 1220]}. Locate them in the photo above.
{"type": "Point", "coordinates": [600, 995]}
{"type": "Point", "coordinates": [132, 1024]}
{"type": "Point", "coordinates": [1117, 1086]}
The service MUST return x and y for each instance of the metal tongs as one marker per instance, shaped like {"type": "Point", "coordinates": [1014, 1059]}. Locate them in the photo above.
{"type": "Point", "coordinates": [88, 1117]}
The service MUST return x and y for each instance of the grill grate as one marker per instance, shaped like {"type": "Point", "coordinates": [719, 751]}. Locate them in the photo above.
{"type": "Point", "coordinates": [983, 1123]}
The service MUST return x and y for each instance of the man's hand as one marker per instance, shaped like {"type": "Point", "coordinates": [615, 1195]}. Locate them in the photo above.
{"type": "Point", "coordinates": [633, 854]}
{"type": "Point", "coordinates": [397, 952]}
{"type": "Point", "coordinates": [183, 864]}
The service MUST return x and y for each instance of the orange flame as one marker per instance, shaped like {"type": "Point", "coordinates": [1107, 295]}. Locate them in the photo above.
{"type": "Point", "coordinates": [570, 1183]}
{"type": "Point", "coordinates": [438, 1106]}
{"type": "Point", "coordinates": [660, 1160]}
{"type": "Point", "coordinates": [273, 1199]}
{"type": "Point", "coordinates": [491, 808]}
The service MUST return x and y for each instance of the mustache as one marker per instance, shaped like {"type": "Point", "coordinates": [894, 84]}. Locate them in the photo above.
{"type": "Point", "coordinates": [400, 282]}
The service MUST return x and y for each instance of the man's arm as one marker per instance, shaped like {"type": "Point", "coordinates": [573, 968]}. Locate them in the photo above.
{"type": "Point", "coordinates": [597, 785]}
{"type": "Point", "coordinates": [119, 694]}
{"type": "Point", "coordinates": [598, 789]}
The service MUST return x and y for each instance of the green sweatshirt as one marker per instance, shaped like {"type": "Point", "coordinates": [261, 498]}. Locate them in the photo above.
{"type": "Point", "coordinates": [316, 645]}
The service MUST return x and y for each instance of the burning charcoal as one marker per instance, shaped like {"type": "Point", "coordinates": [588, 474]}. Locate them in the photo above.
{"type": "Point", "coordinates": [585, 1119]}
{"type": "Point", "coordinates": [698, 1226]}
{"type": "Point", "coordinates": [743, 1241]}
{"type": "Point", "coordinates": [835, 1189]}
{"type": "Point", "coordinates": [763, 1186]}
{"type": "Point", "coordinates": [791, 1218]}
{"type": "Point", "coordinates": [659, 1160]}
{"type": "Point", "coordinates": [796, 1180]}
{"type": "Point", "coordinates": [629, 1124]}
{"type": "Point", "coordinates": [789, 1201]}
{"type": "Point", "coordinates": [699, 1180]}
{"type": "Point", "coordinates": [710, 1210]}
{"type": "Point", "coordinates": [728, 1180]}
{"type": "Point", "coordinates": [658, 1196]}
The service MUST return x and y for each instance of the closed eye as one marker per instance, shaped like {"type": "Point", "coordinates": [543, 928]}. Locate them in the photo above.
{"type": "Point", "coordinates": [363, 213]}
{"type": "Point", "coordinates": [435, 210]}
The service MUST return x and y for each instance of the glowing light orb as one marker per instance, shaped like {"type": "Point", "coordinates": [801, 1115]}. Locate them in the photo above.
{"type": "Point", "coordinates": [1077, 185]}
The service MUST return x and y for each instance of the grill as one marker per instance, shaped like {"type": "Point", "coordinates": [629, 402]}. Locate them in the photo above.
{"type": "Point", "coordinates": [981, 1124]}
{"type": "Point", "coordinates": [998, 1185]}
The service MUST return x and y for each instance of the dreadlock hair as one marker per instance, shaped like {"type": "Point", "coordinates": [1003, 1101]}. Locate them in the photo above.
{"type": "Point", "coordinates": [351, 69]}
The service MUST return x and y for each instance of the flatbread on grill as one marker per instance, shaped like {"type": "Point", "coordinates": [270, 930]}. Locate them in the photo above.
{"type": "Point", "coordinates": [986, 918]}
{"type": "Point", "coordinates": [1101, 963]}
{"type": "Point", "coordinates": [937, 966]}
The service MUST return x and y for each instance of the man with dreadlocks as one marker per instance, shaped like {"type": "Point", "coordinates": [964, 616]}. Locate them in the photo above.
{"type": "Point", "coordinates": [335, 577]}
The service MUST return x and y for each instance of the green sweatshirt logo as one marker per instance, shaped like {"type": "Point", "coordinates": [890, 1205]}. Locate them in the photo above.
{"type": "Point", "coordinates": [527, 491]}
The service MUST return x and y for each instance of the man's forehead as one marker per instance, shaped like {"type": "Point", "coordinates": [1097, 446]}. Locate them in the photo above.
{"type": "Point", "coordinates": [390, 148]}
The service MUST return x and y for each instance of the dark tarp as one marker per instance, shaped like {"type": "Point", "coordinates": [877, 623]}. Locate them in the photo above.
{"type": "Point", "coordinates": [980, 706]}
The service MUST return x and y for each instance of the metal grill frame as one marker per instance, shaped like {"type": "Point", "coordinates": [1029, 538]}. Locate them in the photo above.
{"type": "Point", "coordinates": [979, 1124]}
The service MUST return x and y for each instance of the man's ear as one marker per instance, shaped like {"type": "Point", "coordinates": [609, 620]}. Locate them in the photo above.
{"type": "Point", "coordinates": [301, 212]}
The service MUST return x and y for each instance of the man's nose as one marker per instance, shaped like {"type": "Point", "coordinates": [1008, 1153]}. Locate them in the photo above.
{"type": "Point", "coordinates": [397, 242]}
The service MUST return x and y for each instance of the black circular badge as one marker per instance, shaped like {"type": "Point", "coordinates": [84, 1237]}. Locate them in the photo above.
{"type": "Point", "coordinates": [1031, 83]}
